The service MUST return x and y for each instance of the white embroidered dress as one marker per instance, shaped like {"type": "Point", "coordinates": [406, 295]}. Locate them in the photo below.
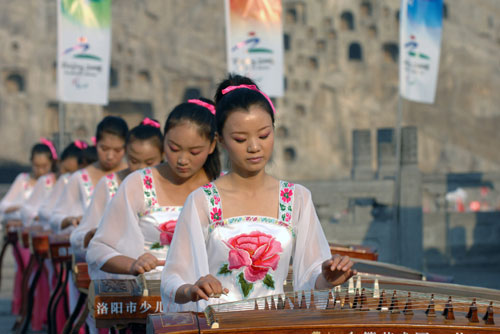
{"type": "Point", "coordinates": [18, 193]}
{"type": "Point", "coordinates": [73, 201]}
{"type": "Point", "coordinates": [104, 191]}
{"type": "Point", "coordinates": [249, 255]}
{"type": "Point", "coordinates": [41, 191]}
{"type": "Point", "coordinates": [134, 223]}
{"type": "Point", "coordinates": [48, 205]}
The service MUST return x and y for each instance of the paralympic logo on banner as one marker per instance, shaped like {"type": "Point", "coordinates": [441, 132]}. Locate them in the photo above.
{"type": "Point", "coordinates": [80, 70]}
{"type": "Point", "coordinates": [249, 46]}
{"type": "Point", "coordinates": [420, 45]}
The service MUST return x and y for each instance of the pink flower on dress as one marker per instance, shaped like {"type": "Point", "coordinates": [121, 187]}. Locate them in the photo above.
{"type": "Point", "coordinates": [258, 252]}
{"type": "Point", "coordinates": [85, 177]}
{"type": "Point", "coordinates": [286, 195]}
{"type": "Point", "coordinates": [153, 201]}
{"type": "Point", "coordinates": [148, 170]}
{"type": "Point", "coordinates": [288, 217]}
{"type": "Point", "coordinates": [48, 181]}
{"type": "Point", "coordinates": [216, 199]}
{"type": "Point", "coordinates": [110, 176]}
{"type": "Point", "coordinates": [148, 182]}
{"type": "Point", "coordinates": [167, 232]}
{"type": "Point", "coordinates": [207, 186]}
{"type": "Point", "coordinates": [216, 214]}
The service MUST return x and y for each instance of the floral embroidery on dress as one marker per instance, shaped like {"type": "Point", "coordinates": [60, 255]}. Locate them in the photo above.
{"type": "Point", "coordinates": [87, 185]}
{"type": "Point", "coordinates": [148, 188]}
{"type": "Point", "coordinates": [50, 180]}
{"type": "Point", "coordinates": [286, 201]}
{"type": "Point", "coordinates": [112, 183]}
{"type": "Point", "coordinates": [286, 192]}
{"type": "Point", "coordinates": [26, 181]}
{"type": "Point", "coordinates": [256, 253]}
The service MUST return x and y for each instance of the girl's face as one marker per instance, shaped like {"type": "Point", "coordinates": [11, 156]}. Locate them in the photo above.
{"type": "Point", "coordinates": [41, 164]}
{"type": "Point", "coordinates": [142, 154]}
{"type": "Point", "coordinates": [69, 165]}
{"type": "Point", "coordinates": [110, 151]}
{"type": "Point", "coordinates": [186, 150]}
{"type": "Point", "coordinates": [248, 137]}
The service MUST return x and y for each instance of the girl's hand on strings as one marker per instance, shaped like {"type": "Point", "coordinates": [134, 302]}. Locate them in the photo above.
{"type": "Point", "coordinates": [338, 269]}
{"type": "Point", "coordinates": [206, 287]}
{"type": "Point", "coordinates": [144, 263]}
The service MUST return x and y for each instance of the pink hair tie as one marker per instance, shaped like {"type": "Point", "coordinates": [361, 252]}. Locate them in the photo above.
{"type": "Point", "coordinates": [150, 122]}
{"type": "Point", "coordinates": [51, 147]}
{"type": "Point", "coordinates": [94, 140]}
{"type": "Point", "coordinates": [81, 144]}
{"type": "Point", "coordinates": [203, 104]}
{"type": "Point", "coordinates": [252, 87]}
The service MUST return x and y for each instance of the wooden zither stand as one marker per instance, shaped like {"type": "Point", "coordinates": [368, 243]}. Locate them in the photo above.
{"type": "Point", "coordinates": [369, 304]}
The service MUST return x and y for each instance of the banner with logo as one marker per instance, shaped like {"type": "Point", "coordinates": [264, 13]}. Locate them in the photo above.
{"type": "Point", "coordinates": [83, 50]}
{"type": "Point", "coordinates": [254, 42]}
{"type": "Point", "coordinates": [420, 45]}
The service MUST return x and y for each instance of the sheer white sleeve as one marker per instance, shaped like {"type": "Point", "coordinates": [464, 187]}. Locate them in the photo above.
{"type": "Point", "coordinates": [187, 258]}
{"type": "Point", "coordinates": [45, 211]}
{"type": "Point", "coordinates": [41, 191]}
{"type": "Point", "coordinates": [69, 204]}
{"type": "Point", "coordinates": [311, 246]}
{"type": "Point", "coordinates": [92, 216]}
{"type": "Point", "coordinates": [118, 232]}
{"type": "Point", "coordinates": [14, 196]}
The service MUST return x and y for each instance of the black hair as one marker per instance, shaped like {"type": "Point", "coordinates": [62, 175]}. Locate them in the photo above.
{"type": "Point", "coordinates": [89, 155]}
{"type": "Point", "coordinates": [40, 148]}
{"type": "Point", "coordinates": [112, 125]}
{"type": "Point", "coordinates": [72, 151]}
{"type": "Point", "coordinates": [205, 120]}
{"type": "Point", "coordinates": [238, 99]}
{"type": "Point", "coordinates": [146, 132]}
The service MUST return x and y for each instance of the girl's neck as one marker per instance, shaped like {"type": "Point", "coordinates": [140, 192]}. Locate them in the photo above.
{"type": "Point", "coordinates": [170, 176]}
{"type": "Point", "coordinates": [97, 165]}
{"type": "Point", "coordinates": [248, 181]}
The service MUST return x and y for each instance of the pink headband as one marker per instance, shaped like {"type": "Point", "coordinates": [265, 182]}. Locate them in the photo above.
{"type": "Point", "coordinates": [150, 122]}
{"type": "Point", "coordinates": [252, 87]}
{"type": "Point", "coordinates": [51, 147]}
{"type": "Point", "coordinates": [203, 104]}
{"type": "Point", "coordinates": [81, 144]}
{"type": "Point", "coordinates": [94, 140]}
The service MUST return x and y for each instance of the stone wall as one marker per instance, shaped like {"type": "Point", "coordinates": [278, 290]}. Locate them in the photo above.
{"type": "Point", "coordinates": [340, 71]}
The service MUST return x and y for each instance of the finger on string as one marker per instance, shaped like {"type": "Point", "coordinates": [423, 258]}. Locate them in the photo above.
{"type": "Point", "coordinates": [160, 262]}
{"type": "Point", "coordinates": [335, 263]}
{"type": "Point", "coordinates": [207, 288]}
{"type": "Point", "coordinates": [200, 293]}
{"type": "Point", "coordinates": [344, 263]}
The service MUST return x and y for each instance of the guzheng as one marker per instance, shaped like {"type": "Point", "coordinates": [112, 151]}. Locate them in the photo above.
{"type": "Point", "coordinates": [127, 301]}
{"type": "Point", "coordinates": [370, 305]}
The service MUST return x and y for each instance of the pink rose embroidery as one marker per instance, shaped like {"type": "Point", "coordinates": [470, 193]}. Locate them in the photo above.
{"type": "Point", "coordinates": [85, 177]}
{"type": "Point", "coordinates": [148, 182]}
{"type": "Point", "coordinates": [167, 232]}
{"type": "Point", "coordinates": [288, 217]}
{"type": "Point", "coordinates": [258, 252]}
{"type": "Point", "coordinates": [286, 195]}
{"type": "Point", "coordinates": [216, 199]}
{"type": "Point", "coordinates": [207, 186]}
{"type": "Point", "coordinates": [110, 176]}
{"type": "Point", "coordinates": [148, 171]}
{"type": "Point", "coordinates": [215, 214]}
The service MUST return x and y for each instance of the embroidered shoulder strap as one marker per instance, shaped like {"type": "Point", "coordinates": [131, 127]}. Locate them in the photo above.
{"type": "Point", "coordinates": [87, 185]}
{"type": "Point", "coordinates": [26, 180]}
{"type": "Point", "coordinates": [50, 180]}
{"type": "Point", "coordinates": [112, 183]}
{"type": "Point", "coordinates": [213, 200]}
{"type": "Point", "coordinates": [287, 191]}
{"type": "Point", "coordinates": [150, 199]}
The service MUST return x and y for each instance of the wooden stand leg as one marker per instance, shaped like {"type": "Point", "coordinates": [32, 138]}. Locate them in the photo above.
{"type": "Point", "coordinates": [24, 292]}
{"type": "Point", "coordinates": [30, 299]}
{"type": "Point", "coordinates": [81, 307]}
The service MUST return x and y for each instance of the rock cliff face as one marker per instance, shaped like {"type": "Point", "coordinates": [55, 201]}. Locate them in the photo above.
{"type": "Point", "coordinates": [341, 74]}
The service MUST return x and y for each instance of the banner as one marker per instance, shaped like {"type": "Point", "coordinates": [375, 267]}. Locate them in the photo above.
{"type": "Point", "coordinates": [83, 50]}
{"type": "Point", "coordinates": [254, 42]}
{"type": "Point", "coordinates": [420, 45]}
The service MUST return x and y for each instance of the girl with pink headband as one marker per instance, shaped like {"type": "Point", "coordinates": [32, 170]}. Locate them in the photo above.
{"type": "Point", "coordinates": [236, 236]}
{"type": "Point", "coordinates": [134, 234]}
